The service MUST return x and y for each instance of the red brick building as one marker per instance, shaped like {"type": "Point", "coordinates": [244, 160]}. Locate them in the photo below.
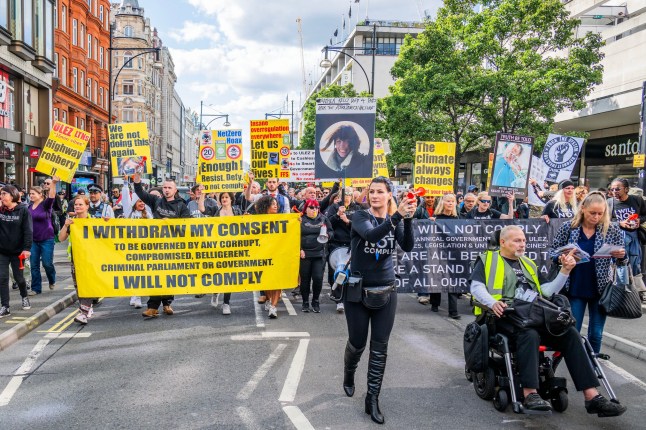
{"type": "Point", "coordinates": [81, 85]}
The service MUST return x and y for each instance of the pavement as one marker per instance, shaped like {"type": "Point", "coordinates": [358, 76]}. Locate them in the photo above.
{"type": "Point", "coordinates": [626, 336]}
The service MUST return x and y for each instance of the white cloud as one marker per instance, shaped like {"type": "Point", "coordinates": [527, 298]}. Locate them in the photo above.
{"type": "Point", "coordinates": [192, 31]}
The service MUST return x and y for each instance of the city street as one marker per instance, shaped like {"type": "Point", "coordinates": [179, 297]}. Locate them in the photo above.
{"type": "Point", "coordinates": [201, 369]}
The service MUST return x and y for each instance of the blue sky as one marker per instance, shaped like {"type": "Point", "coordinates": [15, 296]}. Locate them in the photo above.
{"type": "Point", "coordinates": [243, 57]}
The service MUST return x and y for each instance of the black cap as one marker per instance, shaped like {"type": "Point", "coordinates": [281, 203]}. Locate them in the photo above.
{"type": "Point", "coordinates": [95, 187]}
{"type": "Point", "coordinates": [81, 191]}
{"type": "Point", "coordinates": [566, 183]}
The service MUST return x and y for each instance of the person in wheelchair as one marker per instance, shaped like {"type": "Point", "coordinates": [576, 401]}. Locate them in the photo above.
{"type": "Point", "coordinates": [519, 271]}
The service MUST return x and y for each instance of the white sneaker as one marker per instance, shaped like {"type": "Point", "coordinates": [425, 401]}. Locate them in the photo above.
{"type": "Point", "coordinates": [132, 300]}
{"type": "Point", "coordinates": [226, 309]}
{"type": "Point", "coordinates": [81, 318]}
{"type": "Point", "coordinates": [267, 305]}
{"type": "Point", "coordinates": [90, 313]}
{"type": "Point", "coordinates": [423, 300]}
{"type": "Point", "coordinates": [340, 308]}
{"type": "Point", "coordinates": [215, 300]}
{"type": "Point", "coordinates": [272, 312]}
{"type": "Point", "coordinates": [137, 303]}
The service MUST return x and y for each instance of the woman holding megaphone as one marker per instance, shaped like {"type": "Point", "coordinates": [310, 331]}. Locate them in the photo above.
{"type": "Point", "coordinates": [316, 231]}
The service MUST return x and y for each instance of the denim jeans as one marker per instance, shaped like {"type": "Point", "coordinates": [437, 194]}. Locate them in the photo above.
{"type": "Point", "coordinates": [596, 320]}
{"type": "Point", "coordinates": [42, 250]}
{"type": "Point", "coordinates": [634, 250]}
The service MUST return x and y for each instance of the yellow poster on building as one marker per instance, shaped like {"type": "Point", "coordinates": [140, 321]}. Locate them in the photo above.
{"type": "Point", "coordinates": [379, 167]}
{"type": "Point", "coordinates": [220, 161]}
{"type": "Point", "coordinates": [126, 257]}
{"type": "Point", "coordinates": [129, 149]}
{"type": "Point", "coordinates": [63, 151]}
{"type": "Point", "coordinates": [434, 167]}
{"type": "Point", "coordinates": [270, 148]}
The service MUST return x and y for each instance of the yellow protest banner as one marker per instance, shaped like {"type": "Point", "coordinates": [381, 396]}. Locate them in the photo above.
{"type": "Point", "coordinates": [490, 169]}
{"type": "Point", "coordinates": [220, 161]}
{"type": "Point", "coordinates": [62, 151]}
{"type": "Point", "coordinates": [270, 148]}
{"type": "Point", "coordinates": [129, 148]}
{"type": "Point", "coordinates": [434, 167]}
{"type": "Point", "coordinates": [126, 257]}
{"type": "Point", "coordinates": [379, 167]}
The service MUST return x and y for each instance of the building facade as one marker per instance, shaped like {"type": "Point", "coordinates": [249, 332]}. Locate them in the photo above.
{"type": "Point", "coordinates": [26, 67]}
{"type": "Point", "coordinates": [136, 75]}
{"type": "Point", "coordinates": [190, 145]}
{"type": "Point", "coordinates": [81, 83]}
{"type": "Point", "coordinates": [611, 116]}
{"type": "Point", "coordinates": [170, 122]}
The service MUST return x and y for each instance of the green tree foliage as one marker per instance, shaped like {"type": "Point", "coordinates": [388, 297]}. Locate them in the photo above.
{"type": "Point", "coordinates": [510, 68]}
{"type": "Point", "coordinates": [309, 112]}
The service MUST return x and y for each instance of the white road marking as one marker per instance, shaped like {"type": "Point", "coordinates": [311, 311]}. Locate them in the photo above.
{"type": "Point", "coordinates": [290, 308]}
{"type": "Point", "coordinates": [624, 373]}
{"type": "Point", "coordinates": [297, 418]}
{"type": "Point", "coordinates": [295, 371]}
{"type": "Point", "coordinates": [260, 322]}
{"type": "Point", "coordinates": [261, 372]}
{"type": "Point", "coordinates": [620, 339]}
{"type": "Point", "coordinates": [15, 382]}
{"type": "Point", "coordinates": [271, 335]}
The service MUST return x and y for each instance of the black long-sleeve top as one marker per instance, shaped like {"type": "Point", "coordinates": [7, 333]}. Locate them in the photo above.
{"type": "Point", "coordinates": [16, 230]}
{"type": "Point", "coordinates": [373, 245]}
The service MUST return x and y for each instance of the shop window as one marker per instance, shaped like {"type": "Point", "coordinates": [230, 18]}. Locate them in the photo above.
{"type": "Point", "coordinates": [30, 111]}
{"type": "Point", "coordinates": [7, 105]}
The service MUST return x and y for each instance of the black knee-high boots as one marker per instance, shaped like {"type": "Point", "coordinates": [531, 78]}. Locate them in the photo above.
{"type": "Point", "coordinates": [350, 361]}
{"type": "Point", "coordinates": [376, 368]}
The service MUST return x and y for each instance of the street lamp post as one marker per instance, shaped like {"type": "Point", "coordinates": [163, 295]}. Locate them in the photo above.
{"type": "Point", "coordinates": [326, 63]}
{"type": "Point", "coordinates": [202, 115]}
{"type": "Point", "coordinates": [142, 51]}
{"type": "Point", "coordinates": [280, 115]}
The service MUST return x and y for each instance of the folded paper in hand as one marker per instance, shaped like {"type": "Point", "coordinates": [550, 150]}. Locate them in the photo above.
{"type": "Point", "coordinates": [606, 249]}
{"type": "Point", "coordinates": [580, 255]}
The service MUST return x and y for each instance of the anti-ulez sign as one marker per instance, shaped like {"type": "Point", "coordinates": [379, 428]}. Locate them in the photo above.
{"type": "Point", "coordinates": [129, 149]}
{"type": "Point", "coordinates": [220, 161]}
{"type": "Point", "coordinates": [434, 167]}
{"type": "Point", "coordinates": [270, 148]}
{"type": "Point", "coordinates": [63, 151]}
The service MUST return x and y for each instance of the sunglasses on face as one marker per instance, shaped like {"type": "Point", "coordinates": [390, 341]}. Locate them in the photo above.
{"type": "Point", "coordinates": [485, 201]}
{"type": "Point", "coordinates": [616, 189]}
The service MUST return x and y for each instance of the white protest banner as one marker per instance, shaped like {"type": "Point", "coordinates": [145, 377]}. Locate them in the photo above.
{"type": "Point", "coordinates": [559, 155]}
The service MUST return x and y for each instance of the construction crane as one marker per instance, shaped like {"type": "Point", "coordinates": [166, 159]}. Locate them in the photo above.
{"type": "Point", "coordinates": [300, 34]}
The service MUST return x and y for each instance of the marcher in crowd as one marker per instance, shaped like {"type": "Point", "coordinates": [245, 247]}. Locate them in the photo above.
{"type": "Point", "coordinates": [193, 205]}
{"type": "Point", "coordinates": [99, 208]}
{"type": "Point", "coordinates": [521, 271]}
{"type": "Point", "coordinates": [269, 205]}
{"type": "Point", "coordinates": [375, 233]}
{"type": "Point", "coordinates": [312, 262]}
{"type": "Point", "coordinates": [81, 205]}
{"type": "Point", "coordinates": [467, 204]}
{"type": "Point", "coordinates": [580, 192]}
{"type": "Point", "coordinates": [483, 210]}
{"type": "Point", "coordinates": [425, 210]}
{"type": "Point", "coordinates": [564, 204]}
{"type": "Point", "coordinates": [622, 207]}
{"type": "Point", "coordinates": [61, 202]}
{"type": "Point", "coordinates": [340, 216]}
{"type": "Point", "coordinates": [16, 234]}
{"type": "Point", "coordinates": [226, 208]}
{"type": "Point", "coordinates": [168, 206]}
{"type": "Point", "coordinates": [42, 247]}
{"type": "Point", "coordinates": [117, 206]}
{"type": "Point", "coordinates": [522, 210]}
{"type": "Point", "coordinates": [446, 209]}
{"type": "Point", "coordinates": [590, 229]}
{"type": "Point", "coordinates": [134, 208]}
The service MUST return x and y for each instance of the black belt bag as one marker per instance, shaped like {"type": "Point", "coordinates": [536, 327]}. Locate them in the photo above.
{"type": "Point", "coordinates": [376, 297]}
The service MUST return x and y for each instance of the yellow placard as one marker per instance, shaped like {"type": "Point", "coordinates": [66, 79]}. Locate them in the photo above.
{"type": "Point", "coordinates": [270, 148]}
{"type": "Point", "coordinates": [379, 167]}
{"type": "Point", "coordinates": [638, 161]}
{"type": "Point", "coordinates": [434, 167]}
{"type": "Point", "coordinates": [489, 169]}
{"type": "Point", "coordinates": [220, 161]}
{"type": "Point", "coordinates": [129, 148]}
{"type": "Point", "coordinates": [63, 151]}
{"type": "Point", "coordinates": [141, 257]}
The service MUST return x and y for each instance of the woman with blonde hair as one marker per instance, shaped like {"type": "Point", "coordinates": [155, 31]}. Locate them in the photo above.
{"type": "Point", "coordinates": [563, 204]}
{"type": "Point", "coordinates": [580, 192]}
{"type": "Point", "coordinates": [590, 229]}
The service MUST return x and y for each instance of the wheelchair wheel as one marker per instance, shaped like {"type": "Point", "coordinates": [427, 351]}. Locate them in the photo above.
{"type": "Point", "coordinates": [468, 374]}
{"type": "Point", "coordinates": [485, 384]}
{"type": "Point", "coordinates": [501, 400]}
{"type": "Point", "coordinates": [559, 401]}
